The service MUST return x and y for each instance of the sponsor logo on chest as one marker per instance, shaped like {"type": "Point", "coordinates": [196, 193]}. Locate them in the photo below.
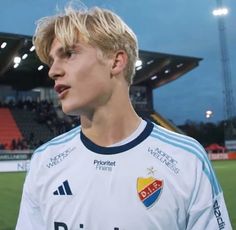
{"type": "Point", "coordinates": [104, 165]}
{"type": "Point", "coordinates": [58, 158]}
{"type": "Point", "coordinates": [165, 159]}
{"type": "Point", "coordinates": [63, 226]}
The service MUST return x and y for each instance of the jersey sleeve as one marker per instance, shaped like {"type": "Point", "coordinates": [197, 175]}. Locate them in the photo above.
{"type": "Point", "coordinates": [207, 209]}
{"type": "Point", "coordinates": [29, 216]}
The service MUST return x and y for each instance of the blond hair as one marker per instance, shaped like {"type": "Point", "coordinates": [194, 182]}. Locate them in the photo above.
{"type": "Point", "coordinates": [98, 27]}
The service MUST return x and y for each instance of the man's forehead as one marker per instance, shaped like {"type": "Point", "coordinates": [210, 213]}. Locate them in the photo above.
{"type": "Point", "coordinates": [55, 47]}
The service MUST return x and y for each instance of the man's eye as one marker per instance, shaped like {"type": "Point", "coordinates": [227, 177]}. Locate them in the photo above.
{"type": "Point", "coordinates": [68, 53]}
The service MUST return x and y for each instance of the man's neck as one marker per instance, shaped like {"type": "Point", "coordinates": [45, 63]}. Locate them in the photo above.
{"type": "Point", "coordinates": [105, 128]}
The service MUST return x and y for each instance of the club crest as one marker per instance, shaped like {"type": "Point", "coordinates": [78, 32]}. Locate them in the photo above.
{"type": "Point", "coordinates": [149, 190]}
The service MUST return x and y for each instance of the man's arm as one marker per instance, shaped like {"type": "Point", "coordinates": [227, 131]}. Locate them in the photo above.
{"type": "Point", "coordinates": [29, 216]}
{"type": "Point", "coordinates": [207, 209]}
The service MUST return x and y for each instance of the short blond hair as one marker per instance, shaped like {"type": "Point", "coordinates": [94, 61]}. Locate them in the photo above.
{"type": "Point", "coordinates": [98, 27]}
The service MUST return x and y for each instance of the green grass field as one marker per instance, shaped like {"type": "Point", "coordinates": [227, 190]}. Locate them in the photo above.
{"type": "Point", "coordinates": [11, 188]}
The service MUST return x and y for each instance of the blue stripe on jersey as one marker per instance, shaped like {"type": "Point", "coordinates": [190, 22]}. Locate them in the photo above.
{"type": "Point", "coordinates": [192, 146]}
{"type": "Point", "coordinates": [65, 137]}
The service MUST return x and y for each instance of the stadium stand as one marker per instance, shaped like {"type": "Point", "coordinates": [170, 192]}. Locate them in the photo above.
{"type": "Point", "coordinates": [157, 118]}
{"type": "Point", "coordinates": [8, 128]}
{"type": "Point", "coordinates": [37, 122]}
{"type": "Point", "coordinates": [30, 127]}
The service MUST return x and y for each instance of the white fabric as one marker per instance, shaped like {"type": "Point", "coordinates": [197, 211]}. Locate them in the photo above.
{"type": "Point", "coordinates": [159, 180]}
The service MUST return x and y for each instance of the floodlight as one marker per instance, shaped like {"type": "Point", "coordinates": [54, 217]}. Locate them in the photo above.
{"type": "Point", "coordinates": [220, 11]}
{"type": "Point", "coordinates": [154, 77]}
{"type": "Point", "coordinates": [3, 45]}
{"type": "Point", "coordinates": [138, 63]}
{"type": "Point", "coordinates": [17, 60]}
{"type": "Point", "coordinates": [209, 113]}
{"type": "Point", "coordinates": [24, 56]}
{"type": "Point", "coordinates": [16, 65]}
{"type": "Point", "coordinates": [32, 48]}
{"type": "Point", "coordinates": [40, 67]}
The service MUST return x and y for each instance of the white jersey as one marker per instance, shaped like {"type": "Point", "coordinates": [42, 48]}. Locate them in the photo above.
{"type": "Point", "coordinates": [158, 180]}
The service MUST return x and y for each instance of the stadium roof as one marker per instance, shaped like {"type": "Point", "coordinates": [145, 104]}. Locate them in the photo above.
{"type": "Point", "coordinates": [156, 69]}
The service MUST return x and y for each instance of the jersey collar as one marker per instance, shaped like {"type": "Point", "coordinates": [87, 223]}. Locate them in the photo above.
{"type": "Point", "coordinates": [117, 149]}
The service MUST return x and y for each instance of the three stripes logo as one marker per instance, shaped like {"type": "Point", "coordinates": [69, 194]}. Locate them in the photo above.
{"type": "Point", "coordinates": [63, 189]}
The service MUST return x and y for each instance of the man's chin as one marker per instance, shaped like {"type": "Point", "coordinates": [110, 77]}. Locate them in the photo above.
{"type": "Point", "coordinates": [76, 111]}
{"type": "Point", "coordinates": [70, 112]}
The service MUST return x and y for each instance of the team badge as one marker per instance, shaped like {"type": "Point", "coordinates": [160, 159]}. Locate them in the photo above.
{"type": "Point", "coordinates": [149, 190]}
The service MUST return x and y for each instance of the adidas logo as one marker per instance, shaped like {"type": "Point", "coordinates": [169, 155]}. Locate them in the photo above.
{"type": "Point", "coordinates": [63, 189]}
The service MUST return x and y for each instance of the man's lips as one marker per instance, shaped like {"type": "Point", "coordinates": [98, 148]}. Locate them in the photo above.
{"type": "Point", "coordinates": [61, 89]}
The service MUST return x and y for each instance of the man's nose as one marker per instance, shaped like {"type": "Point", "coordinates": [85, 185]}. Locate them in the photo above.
{"type": "Point", "coordinates": [56, 70]}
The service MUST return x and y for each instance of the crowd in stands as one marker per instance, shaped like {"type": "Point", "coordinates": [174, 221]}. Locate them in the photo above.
{"type": "Point", "coordinates": [44, 113]}
{"type": "Point", "coordinates": [2, 146]}
{"type": "Point", "coordinates": [19, 144]}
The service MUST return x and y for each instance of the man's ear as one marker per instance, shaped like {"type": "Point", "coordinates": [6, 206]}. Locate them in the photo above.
{"type": "Point", "coordinates": [119, 62]}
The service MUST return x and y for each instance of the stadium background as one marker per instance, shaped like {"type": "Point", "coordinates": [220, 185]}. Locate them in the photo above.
{"type": "Point", "coordinates": [30, 113]}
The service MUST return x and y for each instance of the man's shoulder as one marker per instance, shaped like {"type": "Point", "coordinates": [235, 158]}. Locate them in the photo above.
{"type": "Point", "coordinates": [180, 141]}
{"type": "Point", "coordinates": [59, 140]}
{"type": "Point", "coordinates": [162, 132]}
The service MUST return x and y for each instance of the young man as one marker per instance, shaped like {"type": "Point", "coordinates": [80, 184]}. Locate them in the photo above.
{"type": "Point", "coordinates": [116, 171]}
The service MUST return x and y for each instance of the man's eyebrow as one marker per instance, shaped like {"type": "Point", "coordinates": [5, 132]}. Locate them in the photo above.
{"type": "Point", "coordinates": [58, 52]}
